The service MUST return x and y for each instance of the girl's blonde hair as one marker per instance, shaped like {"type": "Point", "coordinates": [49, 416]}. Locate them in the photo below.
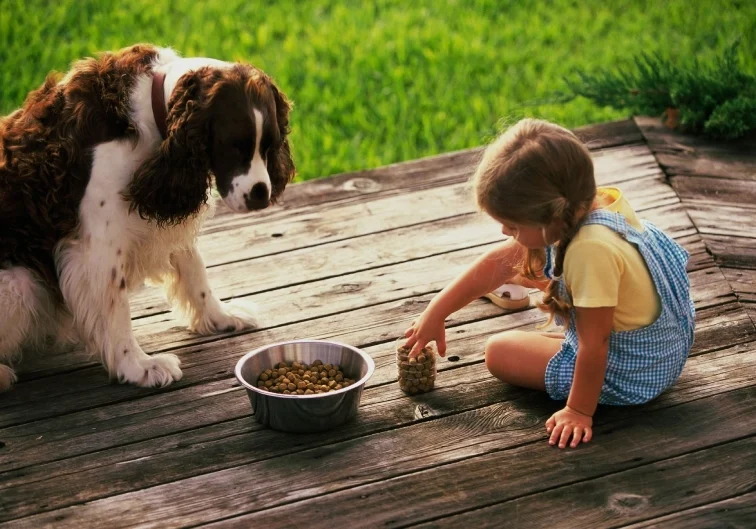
{"type": "Point", "coordinates": [532, 174]}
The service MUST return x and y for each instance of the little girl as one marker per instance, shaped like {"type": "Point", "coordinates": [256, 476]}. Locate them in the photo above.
{"type": "Point", "coordinates": [617, 284]}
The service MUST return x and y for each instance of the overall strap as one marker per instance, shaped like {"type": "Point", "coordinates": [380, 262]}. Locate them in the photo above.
{"type": "Point", "coordinates": [612, 220]}
{"type": "Point", "coordinates": [548, 267]}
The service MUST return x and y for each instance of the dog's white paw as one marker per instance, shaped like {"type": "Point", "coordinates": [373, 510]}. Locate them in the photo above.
{"type": "Point", "coordinates": [7, 378]}
{"type": "Point", "coordinates": [233, 316]}
{"type": "Point", "coordinates": [147, 371]}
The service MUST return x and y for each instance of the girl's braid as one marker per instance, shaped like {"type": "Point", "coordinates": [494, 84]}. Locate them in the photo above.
{"type": "Point", "coordinates": [553, 302]}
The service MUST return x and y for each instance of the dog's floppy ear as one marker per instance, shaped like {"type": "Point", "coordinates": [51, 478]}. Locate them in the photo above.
{"type": "Point", "coordinates": [173, 183]}
{"type": "Point", "coordinates": [280, 163]}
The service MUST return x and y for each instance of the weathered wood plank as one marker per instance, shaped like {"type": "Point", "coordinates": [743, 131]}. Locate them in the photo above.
{"type": "Point", "coordinates": [369, 287]}
{"type": "Point", "coordinates": [146, 463]}
{"type": "Point", "coordinates": [23, 445]}
{"type": "Point", "coordinates": [609, 134]}
{"type": "Point", "coordinates": [611, 166]}
{"type": "Point", "coordinates": [685, 154]}
{"type": "Point", "coordinates": [329, 260]}
{"type": "Point", "coordinates": [27, 444]}
{"type": "Point", "coordinates": [117, 439]}
{"type": "Point", "coordinates": [467, 484]}
{"type": "Point", "coordinates": [715, 191]}
{"type": "Point", "coordinates": [743, 283]}
{"type": "Point", "coordinates": [162, 332]}
{"type": "Point", "coordinates": [750, 309]}
{"type": "Point", "coordinates": [483, 467]}
{"type": "Point", "coordinates": [736, 513]}
{"type": "Point", "coordinates": [736, 252]}
{"type": "Point", "coordinates": [243, 237]}
{"type": "Point", "coordinates": [629, 496]}
{"type": "Point", "coordinates": [330, 297]}
{"type": "Point", "coordinates": [377, 246]}
{"type": "Point", "coordinates": [47, 364]}
{"type": "Point", "coordinates": [219, 446]}
{"type": "Point", "coordinates": [723, 220]}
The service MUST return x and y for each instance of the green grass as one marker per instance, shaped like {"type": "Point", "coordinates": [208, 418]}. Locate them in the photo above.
{"type": "Point", "coordinates": [386, 81]}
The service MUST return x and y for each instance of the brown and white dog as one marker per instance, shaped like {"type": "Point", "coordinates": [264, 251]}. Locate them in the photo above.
{"type": "Point", "coordinates": [105, 175]}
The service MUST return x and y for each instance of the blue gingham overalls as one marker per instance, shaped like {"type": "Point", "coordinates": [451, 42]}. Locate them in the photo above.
{"type": "Point", "coordinates": [643, 362]}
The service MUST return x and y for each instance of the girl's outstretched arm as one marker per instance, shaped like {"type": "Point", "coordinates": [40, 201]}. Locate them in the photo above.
{"type": "Point", "coordinates": [494, 268]}
{"type": "Point", "coordinates": [594, 326]}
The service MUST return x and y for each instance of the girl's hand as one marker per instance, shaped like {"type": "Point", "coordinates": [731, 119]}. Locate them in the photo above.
{"type": "Point", "coordinates": [568, 423]}
{"type": "Point", "coordinates": [426, 328]}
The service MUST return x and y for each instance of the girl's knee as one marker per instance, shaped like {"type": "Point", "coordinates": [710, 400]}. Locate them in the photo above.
{"type": "Point", "coordinates": [520, 357]}
{"type": "Point", "coordinates": [499, 347]}
{"type": "Point", "coordinates": [504, 341]}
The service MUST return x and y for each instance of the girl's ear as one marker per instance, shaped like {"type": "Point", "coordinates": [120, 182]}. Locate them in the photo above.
{"type": "Point", "coordinates": [173, 183]}
{"type": "Point", "coordinates": [281, 168]}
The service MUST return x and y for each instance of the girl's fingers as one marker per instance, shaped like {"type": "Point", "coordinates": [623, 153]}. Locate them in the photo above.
{"type": "Point", "coordinates": [577, 434]}
{"type": "Point", "coordinates": [588, 435]}
{"type": "Point", "coordinates": [550, 424]}
{"type": "Point", "coordinates": [419, 344]}
{"type": "Point", "coordinates": [566, 433]}
{"type": "Point", "coordinates": [555, 433]}
{"type": "Point", "coordinates": [409, 332]}
{"type": "Point", "coordinates": [441, 345]}
{"type": "Point", "coordinates": [410, 340]}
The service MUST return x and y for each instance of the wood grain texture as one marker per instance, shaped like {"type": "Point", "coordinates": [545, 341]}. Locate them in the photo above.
{"type": "Point", "coordinates": [626, 497]}
{"type": "Point", "coordinates": [686, 154]}
{"type": "Point", "coordinates": [729, 251]}
{"type": "Point", "coordinates": [170, 412]}
{"type": "Point", "coordinates": [742, 282]}
{"type": "Point", "coordinates": [717, 191]}
{"type": "Point", "coordinates": [498, 454]}
{"type": "Point", "coordinates": [68, 391]}
{"type": "Point", "coordinates": [355, 258]}
{"type": "Point", "coordinates": [633, 168]}
{"type": "Point", "coordinates": [162, 332]}
{"type": "Point", "coordinates": [462, 397]}
{"type": "Point", "coordinates": [733, 513]}
{"type": "Point", "coordinates": [506, 474]}
{"type": "Point", "coordinates": [364, 320]}
{"type": "Point", "coordinates": [366, 241]}
{"type": "Point", "coordinates": [732, 221]}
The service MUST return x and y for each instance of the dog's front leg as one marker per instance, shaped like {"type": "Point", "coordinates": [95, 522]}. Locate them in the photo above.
{"type": "Point", "coordinates": [94, 285]}
{"type": "Point", "coordinates": [188, 291]}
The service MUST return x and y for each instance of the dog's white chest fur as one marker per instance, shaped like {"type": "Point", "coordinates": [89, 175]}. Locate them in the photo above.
{"type": "Point", "coordinates": [114, 250]}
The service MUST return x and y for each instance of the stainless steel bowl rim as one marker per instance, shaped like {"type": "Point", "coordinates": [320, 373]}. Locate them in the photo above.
{"type": "Point", "coordinates": [360, 382]}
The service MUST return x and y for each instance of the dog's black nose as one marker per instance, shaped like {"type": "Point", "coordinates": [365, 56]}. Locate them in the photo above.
{"type": "Point", "coordinates": [257, 198]}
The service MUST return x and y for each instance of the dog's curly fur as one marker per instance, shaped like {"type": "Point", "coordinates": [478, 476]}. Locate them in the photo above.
{"type": "Point", "coordinates": [46, 153]}
{"type": "Point", "coordinates": [90, 137]}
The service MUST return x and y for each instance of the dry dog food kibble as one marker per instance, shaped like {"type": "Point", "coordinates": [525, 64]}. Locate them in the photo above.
{"type": "Point", "coordinates": [416, 374]}
{"type": "Point", "coordinates": [294, 378]}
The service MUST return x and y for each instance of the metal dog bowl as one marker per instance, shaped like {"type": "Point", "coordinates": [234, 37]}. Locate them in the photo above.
{"type": "Point", "coordinates": [305, 413]}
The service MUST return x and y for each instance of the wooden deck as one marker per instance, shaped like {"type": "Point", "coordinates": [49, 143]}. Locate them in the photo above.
{"type": "Point", "coordinates": [354, 258]}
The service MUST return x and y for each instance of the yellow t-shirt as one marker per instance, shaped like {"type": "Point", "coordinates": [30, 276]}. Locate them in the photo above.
{"type": "Point", "coordinates": [601, 269]}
